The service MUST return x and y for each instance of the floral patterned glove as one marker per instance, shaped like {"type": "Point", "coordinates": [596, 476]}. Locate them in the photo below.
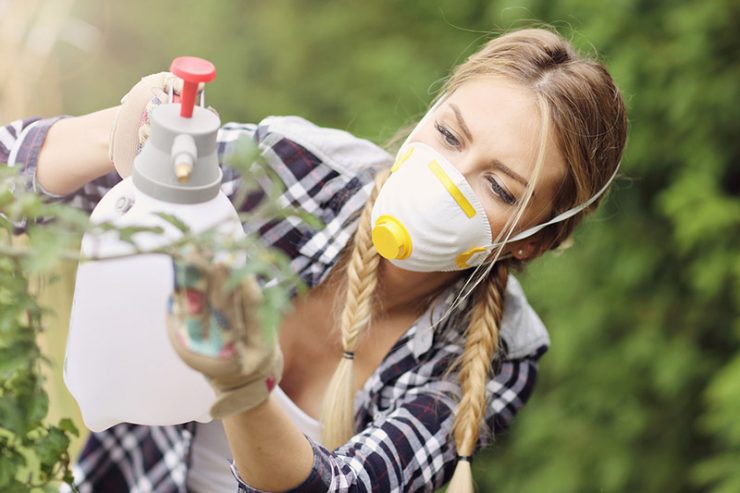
{"type": "Point", "coordinates": [217, 332]}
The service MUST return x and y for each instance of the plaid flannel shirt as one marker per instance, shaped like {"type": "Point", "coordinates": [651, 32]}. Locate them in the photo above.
{"type": "Point", "coordinates": [405, 411]}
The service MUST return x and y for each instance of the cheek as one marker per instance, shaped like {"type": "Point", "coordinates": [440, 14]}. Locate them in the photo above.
{"type": "Point", "coordinates": [497, 218]}
{"type": "Point", "coordinates": [497, 212]}
{"type": "Point", "coordinates": [500, 213]}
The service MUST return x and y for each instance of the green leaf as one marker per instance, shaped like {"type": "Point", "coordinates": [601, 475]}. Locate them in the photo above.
{"type": "Point", "coordinates": [15, 358]}
{"type": "Point", "coordinates": [15, 486]}
{"type": "Point", "coordinates": [127, 233]}
{"type": "Point", "coordinates": [50, 448]}
{"type": "Point", "coordinates": [11, 461]}
{"type": "Point", "coordinates": [45, 246]}
{"type": "Point", "coordinates": [11, 414]}
{"type": "Point", "coordinates": [68, 426]}
{"type": "Point", "coordinates": [174, 221]}
{"type": "Point", "coordinates": [274, 302]}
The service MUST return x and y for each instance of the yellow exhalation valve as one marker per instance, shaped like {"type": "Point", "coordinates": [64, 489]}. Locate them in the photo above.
{"type": "Point", "coordinates": [391, 239]}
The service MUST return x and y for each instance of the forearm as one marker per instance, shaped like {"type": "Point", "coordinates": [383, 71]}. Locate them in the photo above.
{"type": "Point", "coordinates": [270, 452]}
{"type": "Point", "coordinates": [75, 152]}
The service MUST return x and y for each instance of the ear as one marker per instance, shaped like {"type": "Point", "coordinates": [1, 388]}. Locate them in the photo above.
{"type": "Point", "coordinates": [527, 249]}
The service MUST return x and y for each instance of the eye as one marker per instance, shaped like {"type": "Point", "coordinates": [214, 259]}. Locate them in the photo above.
{"type": "Point", "coordinates": [500, 191]}
{"type": "Point", "coordinates": [447, 135]}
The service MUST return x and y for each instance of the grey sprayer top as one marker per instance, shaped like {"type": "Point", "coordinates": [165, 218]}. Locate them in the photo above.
{"type": "Point", "coordinates": [178, 141]}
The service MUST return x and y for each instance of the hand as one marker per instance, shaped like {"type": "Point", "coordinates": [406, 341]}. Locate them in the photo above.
{"type": "Point", "coordinates": [131, 126]}
{"type": "Point", "coordinates": [217, 332]}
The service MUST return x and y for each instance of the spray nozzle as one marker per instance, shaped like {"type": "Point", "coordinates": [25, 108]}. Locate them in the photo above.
{"type": "Point", "coordinates": [192, 70]}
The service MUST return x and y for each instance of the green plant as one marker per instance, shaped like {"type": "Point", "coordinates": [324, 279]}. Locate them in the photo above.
{"type": "Point", "coordinates": [34, 454]}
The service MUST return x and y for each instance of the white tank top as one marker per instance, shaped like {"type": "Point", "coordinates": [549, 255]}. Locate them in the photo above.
{"type": "Point", "coordinates": [210, 458]}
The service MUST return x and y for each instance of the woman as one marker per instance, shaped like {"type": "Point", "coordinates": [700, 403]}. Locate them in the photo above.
{"type": "Point", "coordinates": [410, 379]}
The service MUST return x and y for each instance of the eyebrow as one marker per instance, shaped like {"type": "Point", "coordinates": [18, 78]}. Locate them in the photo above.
{"type": "Point", "coordinates": [496, 163]}
{"type": "Point", "coordinates": [510, 172]}
{"type": "Point", "coordinates": [461, 122]}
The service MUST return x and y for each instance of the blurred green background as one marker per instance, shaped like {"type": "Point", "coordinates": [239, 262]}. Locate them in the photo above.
{"type": "Point", "coordinates": [641, 388]}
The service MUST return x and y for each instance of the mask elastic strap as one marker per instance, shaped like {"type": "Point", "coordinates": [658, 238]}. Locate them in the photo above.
{"type": "Point", "coordinates": [560, 217]}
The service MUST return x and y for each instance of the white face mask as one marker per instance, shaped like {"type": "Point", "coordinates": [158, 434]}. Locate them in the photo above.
{"type": "Point", "coordinates": [427, 217]}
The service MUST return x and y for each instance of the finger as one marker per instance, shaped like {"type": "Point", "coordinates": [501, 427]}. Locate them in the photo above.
{"type": "Point", "coordinates": [143, 136]}
{"type": "Point", "coordinates": [174, 83]}
{"type": "Point", "coordinates": [142, 89]}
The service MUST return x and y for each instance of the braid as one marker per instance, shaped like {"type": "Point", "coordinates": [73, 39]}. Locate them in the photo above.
{"type": "Point", "coordinates": [481, 345]}
{"type": "Point", "coordinates": [337, 414]}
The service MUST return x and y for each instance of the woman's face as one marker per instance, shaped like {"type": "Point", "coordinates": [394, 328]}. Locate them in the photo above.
{"type": "Point", "coordinates": [489, 129]}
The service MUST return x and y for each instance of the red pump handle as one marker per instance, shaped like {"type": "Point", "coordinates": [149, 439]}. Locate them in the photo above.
{"type": "Point", "coordinates": [192, 70]}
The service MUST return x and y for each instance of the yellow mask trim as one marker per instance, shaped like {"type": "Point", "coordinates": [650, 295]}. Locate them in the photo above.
{"type": "Point", "coordinates": [464, 204]}
{"type": "Point", "coordinates": [402, 159]}
{"type": "Point", "coordinates": [462, 259]}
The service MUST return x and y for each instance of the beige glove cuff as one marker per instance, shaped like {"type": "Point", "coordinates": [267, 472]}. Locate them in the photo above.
{"type": "Point", "coordinates": [250, 395]}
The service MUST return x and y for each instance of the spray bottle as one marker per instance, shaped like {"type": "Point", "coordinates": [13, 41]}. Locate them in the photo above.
{"type": "Point", "coordinates": [119, 364]}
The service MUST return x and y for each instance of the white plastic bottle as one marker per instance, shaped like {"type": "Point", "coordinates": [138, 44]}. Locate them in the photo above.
{"type": "Point", "coordinates": [119, 364]}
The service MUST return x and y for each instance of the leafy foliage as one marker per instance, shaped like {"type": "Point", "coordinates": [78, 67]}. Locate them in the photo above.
{"type": "Point", "coordinates": [34, 454]}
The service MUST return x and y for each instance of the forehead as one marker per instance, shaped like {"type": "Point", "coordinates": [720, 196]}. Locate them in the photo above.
{"type": "Point", "coordinates": [504, 119]}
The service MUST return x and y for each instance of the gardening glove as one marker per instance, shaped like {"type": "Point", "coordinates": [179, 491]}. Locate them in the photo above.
{"type": "Point", "coordinates": [131, 127]}
{"type": "Point", "coordinates": [217, 332]}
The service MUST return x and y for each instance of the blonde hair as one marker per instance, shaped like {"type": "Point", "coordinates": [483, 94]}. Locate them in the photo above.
{"type": "Point", "coordinates": [361, 279]}
{"type": "Point", "coordinates": [583, 111]}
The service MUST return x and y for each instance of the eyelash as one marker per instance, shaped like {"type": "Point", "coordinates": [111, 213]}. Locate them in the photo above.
{"type": "Point", "coordinates": [495, 186]}
{"type": "Point", "coordinates": [447, 135]}
{"type": "Point", "coordinates": [499, 190]}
